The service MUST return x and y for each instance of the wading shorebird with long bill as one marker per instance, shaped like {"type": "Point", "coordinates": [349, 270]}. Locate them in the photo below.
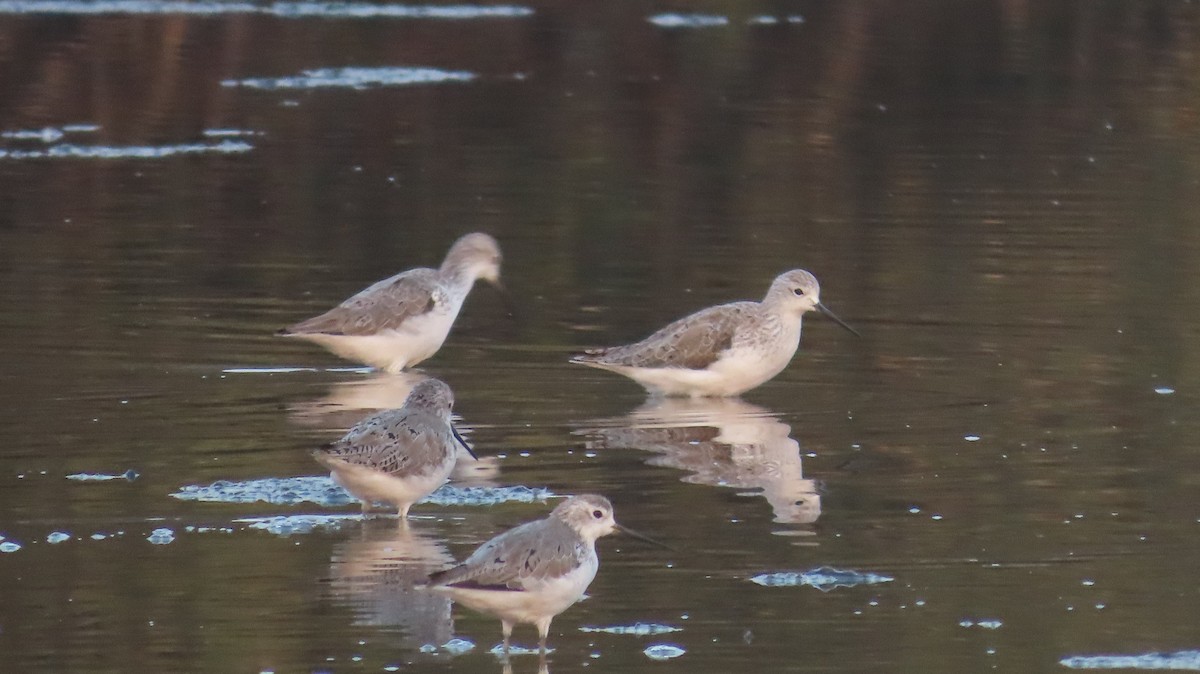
{"type": "Point", "coordinates": [534, 572]}
{"type": "Point", "coordinates": [398, 456]}
{"type": "Point", "coordinates": [724, 350]}
{"type": "Point", "coordinates": [403, 320]}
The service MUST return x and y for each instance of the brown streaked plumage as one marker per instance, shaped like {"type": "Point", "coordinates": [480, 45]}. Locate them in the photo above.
{"type": "Point", "coordinates": [397, 456]}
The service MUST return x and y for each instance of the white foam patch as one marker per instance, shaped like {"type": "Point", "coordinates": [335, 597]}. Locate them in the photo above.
{"type": "Point", "coordinates": [823, 578]}
{"type": "Point", "coordinates": [354, 78]}
{"type": "Point", "coordinates": [671, 20]}
{"type": "Point", "coordinates": [129, 475]}
{"type": "Point", "coordinates": [1180, 660]}
{"type": "Point", "coordinates": [286, 525]}
{"type": "Point", "coordinates": [636, 629]}
{"type": "Point", "coordinates": [513, 649]}
{"type": "Point", "coordinates": [663, 651]}
{"type": "Point", "coordinates": [231, 133]}
{"type": "Point", "coordinates": [69, 151]}
{"type": "Point", "coordinates": [323, 491]}
{"type": "Point", "coordinates": [285, 10]}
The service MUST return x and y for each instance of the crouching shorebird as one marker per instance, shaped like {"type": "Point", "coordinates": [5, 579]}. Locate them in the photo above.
{"type": "Point", "coordinates": [398, 456]}
{"type": "Point", "coordinates": [532, 573]}
{"type": "Point", "coordinates": [400, 321]}
{"type": "Point", "coordinates": [724, 350]}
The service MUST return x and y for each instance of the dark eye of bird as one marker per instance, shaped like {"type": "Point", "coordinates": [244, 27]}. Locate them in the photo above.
{"type": "Point", "coordinates": [597, 514]}
{"type": "Point", "coordinates": [798, 291]}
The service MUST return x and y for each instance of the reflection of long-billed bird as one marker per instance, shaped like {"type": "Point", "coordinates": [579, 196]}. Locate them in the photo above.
{"type": "Point", "coordinates": [398, 456]}
{"type": "Point", "coordinates": [722, 442]}
{"type": "Point", "coordinates": [347, 400]}
{"type": "Point", "coordinates": [723, 350]}
{"type": "Point", "coordinates": [400, 321]}
{"type": "Point", "coordinates": [375, 575]}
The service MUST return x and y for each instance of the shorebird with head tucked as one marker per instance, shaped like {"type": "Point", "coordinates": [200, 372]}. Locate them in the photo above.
{"type": "Point", "coordinates": [400, 321]}
{"type": "Point", "coordinates": [398, 456]}
{"type": "Point", "coordinates": [532, 573]}
{"type": "Point", "coordinates": [724, 350]}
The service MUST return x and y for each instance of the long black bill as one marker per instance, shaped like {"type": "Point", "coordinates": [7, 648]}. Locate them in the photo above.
{"type": "Point", "coordinates": [641, 537]}
{"type": "Point", "coordinates": [829, 314]}
{"type": "Point", "coordinates": [463, 442]}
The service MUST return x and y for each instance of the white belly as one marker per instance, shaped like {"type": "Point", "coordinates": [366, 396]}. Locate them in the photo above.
{"type": "Point", "coordinates": [538, 602]}
{"type": "Point", "coordinates": [373, 486]}
{"type": "Point", "coordinates": [737, 372]}
{"type": "Point", "coordinates": [417, 338]}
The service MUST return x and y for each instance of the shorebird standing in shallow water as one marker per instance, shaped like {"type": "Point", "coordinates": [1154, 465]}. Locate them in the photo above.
{"type": "Point", "coordinates": [532, 573]}
{"type": "Point", "coordinates": [724, 350]}
{"type": "Point", "coordinates": [400, 321]}
{"type": "Point", "coordinates": [398, 456]}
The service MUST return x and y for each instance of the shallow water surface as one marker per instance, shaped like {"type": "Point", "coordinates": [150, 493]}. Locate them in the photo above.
{"type": "Point", "coordinates": [1001, 196]}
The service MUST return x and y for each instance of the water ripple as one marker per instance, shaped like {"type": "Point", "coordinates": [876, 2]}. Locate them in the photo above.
{"type": "Point", "coordinates": [672, 20]}
{"type": "Point", "coordinates": [1180, 660]}
{"type": "Point", "coordinates": [66, 150]}
{"type": "Point", "coordinates": [284, 10]}
{"type": "Point", "coordinates": [823, 578]}
{"type": "Point", "coordinates": [636, 629]}
{"type": "Point", "coordinates": [354, 78]}
{"type": "Point", "coordinates": [325, 492]}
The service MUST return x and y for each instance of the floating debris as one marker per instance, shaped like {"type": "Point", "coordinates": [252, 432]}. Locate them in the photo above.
{"type": "Point", "coordinates": [161, 536]}
{"type": "Point", "coordinates": [636, 629]}
{"type": "Point", "coordinates": [671, 20]}
{"type": "Point", "coordinates": [286, 10]}
{"type": "Point", "coordinates": [127, 151]}
{"type": "Point", "coordinates": [990, 624]}
{"type": "Point", "coordinates": [129, 475]}
{"type": "Point", "coordinates": [57, 537]}
{"type": "Point", "coordinates": [823, 578]}
{"type": "Point", "coordinates": [1180, 660]}
{"type": "Point", "coordinates": [9, 546]}
{"type": "Point", "coordinates": [663, 651]}
{"type": "Point", "coordinates": [325, 492]}
{"type": "Point", "coordinates": [354, 78]}
{"type": "Point", "coordinates": [1164, 390]}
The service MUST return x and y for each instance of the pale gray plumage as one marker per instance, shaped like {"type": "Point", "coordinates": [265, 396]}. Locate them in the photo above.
{"type": "Point", "coordinates": [381, 306]}
{"type": "Point", "coordinates": [398, 455]}
{"type": "Point", "coordinates": [400, 321]}
{"type": "Point", "coordinates": [530, 553]}
{"type": "Point", "coordinates": [723, 350]}
{"type": "Point", "coordinates": [532, 573]}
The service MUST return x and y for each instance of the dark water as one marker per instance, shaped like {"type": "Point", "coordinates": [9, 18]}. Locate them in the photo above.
{"type": "Point", "coordinates": [1002, 196]}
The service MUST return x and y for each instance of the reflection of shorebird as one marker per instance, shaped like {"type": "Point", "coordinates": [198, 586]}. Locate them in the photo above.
{"type": "Point", "coordinates": [376, 575]}
{"type": "Point", "coordinates": [347, 400]}
{"type": "Point", "coordinates": [398, 456]}
{"type": "Point", "coordinates": [722, 442]}
{"type": "Point", "coordinates": [723, 350]}
{"type": "Point", "coordinates": [400, 321]}
{"type": "Point", "coordinates": [533, 572]}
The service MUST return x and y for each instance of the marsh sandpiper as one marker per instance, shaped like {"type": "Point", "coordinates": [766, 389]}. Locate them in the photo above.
{"type": "Point", "coordinates": [724, 350]}
{"type": "Point", "coordinates": [400, 321]}
{"type": "Point", "coordinates": [534, 572]}
{"type": "Point", "coordinates": [398, 456]}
